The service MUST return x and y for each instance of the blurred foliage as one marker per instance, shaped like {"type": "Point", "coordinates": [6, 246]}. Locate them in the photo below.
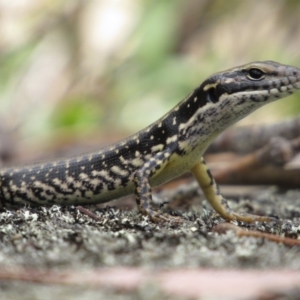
{"type": "Point", "coordinates": [117, 65]}
{"type": "Point", "coordinates": [79, 114]}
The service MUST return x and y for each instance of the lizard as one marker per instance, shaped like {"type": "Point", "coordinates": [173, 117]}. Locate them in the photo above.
{"type": "Point", "coordinates": [167, 148]}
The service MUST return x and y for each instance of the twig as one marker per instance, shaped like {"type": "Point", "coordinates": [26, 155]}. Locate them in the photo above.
{"type": "Point", "coordinates": [89, 214]}
{"type": "Point", "coordinates": [224, 227]}
{"type": "Point", "coordinates": [263, 166]}
{"type": "Point", "coordinates": [248, 138]}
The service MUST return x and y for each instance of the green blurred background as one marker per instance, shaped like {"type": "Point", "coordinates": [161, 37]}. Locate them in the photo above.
{"type": "Point", "coordinates": [107, 68]}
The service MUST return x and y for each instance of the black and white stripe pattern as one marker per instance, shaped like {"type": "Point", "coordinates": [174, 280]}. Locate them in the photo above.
{"type": "Point", "coordinates": [178, 139]}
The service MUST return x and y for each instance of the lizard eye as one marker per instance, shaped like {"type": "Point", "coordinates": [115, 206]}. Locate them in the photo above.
{"type": "Point", "coordinates": [255, 74]}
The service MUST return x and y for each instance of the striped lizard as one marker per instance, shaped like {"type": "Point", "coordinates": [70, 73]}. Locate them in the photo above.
{"type": "Point", "coordinates": [165, 149]}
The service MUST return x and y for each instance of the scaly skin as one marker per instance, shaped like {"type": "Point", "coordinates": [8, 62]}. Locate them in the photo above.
{"type": "Point", "coordinates": [167, 148]}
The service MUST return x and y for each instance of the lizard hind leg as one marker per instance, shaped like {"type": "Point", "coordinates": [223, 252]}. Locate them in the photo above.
{"type": "Point", "coordinates": [143, 192]}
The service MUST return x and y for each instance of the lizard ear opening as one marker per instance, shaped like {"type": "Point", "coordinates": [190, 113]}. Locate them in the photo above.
{"type": "Point", "coordinates": [211, 95]}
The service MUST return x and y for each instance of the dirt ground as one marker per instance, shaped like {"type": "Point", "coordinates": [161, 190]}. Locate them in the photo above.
{"type": "Point", "coordinates": [62, 253]}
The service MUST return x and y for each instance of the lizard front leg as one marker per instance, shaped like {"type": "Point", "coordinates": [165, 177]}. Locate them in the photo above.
{"type": "Point", "coordinates": [217, 201]}
{"type": "Point", "coordinates": [143, 188]}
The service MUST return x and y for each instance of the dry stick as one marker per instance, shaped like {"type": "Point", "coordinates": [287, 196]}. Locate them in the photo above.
{"type": "Point", "coordinates": [296, 144]}
{"type": "Point", "coordinates": [224, 227]}
{"type": "Point", "coordinates": [89, 213]}
{"type": "Point", "coordinates": [264, 165]}
{"type": "Point", "coordinates": [249, 138]}
{"type": "Point", "coordinates": [260, 157]}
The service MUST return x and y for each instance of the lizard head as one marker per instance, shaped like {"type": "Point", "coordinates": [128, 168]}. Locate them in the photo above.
{"type": "Point", "coordinates": [257, 81]}
{"type": "Point", "coordinates": [226, 97]}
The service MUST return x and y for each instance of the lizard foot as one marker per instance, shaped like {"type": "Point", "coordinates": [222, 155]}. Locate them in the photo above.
{"type": "Point", "coordinates": [158, 217]}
